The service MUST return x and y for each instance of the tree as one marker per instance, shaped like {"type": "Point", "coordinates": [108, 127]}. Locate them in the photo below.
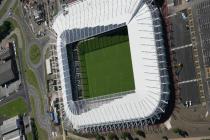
{"type": "Point", "coordinates": [176, 130]}
{"type": "Point", "coordinates": [126, 135]}
{"type": "Point", "coordinates": [34, 129]}
{"type": "Point", "coordinates": [165, 138]}
{"type": "Point", "coordinates": [112, 136]}
{"type": "Point", "coordinates": [181, 132]}
{"type": "Point", "coordinates": [5, 29]}
{"type": "Point", "coordinates": [99, 137]}
{"type": "Point", "coordinates": [141, 133]}
{"type": "Point", "coordinates": [159, 3]}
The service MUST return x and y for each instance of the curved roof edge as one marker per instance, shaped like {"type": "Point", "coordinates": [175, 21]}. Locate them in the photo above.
{"type": "Point", "coordinates": [158, 95]}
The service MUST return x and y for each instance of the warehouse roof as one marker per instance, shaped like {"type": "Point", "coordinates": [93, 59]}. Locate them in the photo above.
{"type": "Point", "coordinates": [6, 52]}
{"type": "Point", "coordinates": [15, 135]}
{"type": "Point", "coordinates": [10, 125]}
{"type": "Point", "coordinates": [6, 72]}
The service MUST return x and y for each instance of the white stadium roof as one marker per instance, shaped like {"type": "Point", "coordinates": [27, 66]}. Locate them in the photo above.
{"type": "Point", "coordinates": [88, 18]}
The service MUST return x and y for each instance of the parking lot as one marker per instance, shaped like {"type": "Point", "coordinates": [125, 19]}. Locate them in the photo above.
{"type": "Point", "coordinates": [201, 20]}
{"type": "Point", "coordinates": [181, 33]}
{"type": "Point", "coordinates": [189, 92]}
{"type": "Point", "coordinates": [183, 59]}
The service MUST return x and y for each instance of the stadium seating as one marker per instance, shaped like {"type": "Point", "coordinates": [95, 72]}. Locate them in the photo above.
{"type": "Point", "coordinates": [87, 18]}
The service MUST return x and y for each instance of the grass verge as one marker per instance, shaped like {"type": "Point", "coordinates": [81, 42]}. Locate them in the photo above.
{"type": "Point", "coordinates": [13, 108]}
{"type": "Point", "coordinates": [35, 54]}
{"type": "Point", "coordinates": [38, 132]}
{"type": "Point", "coordinates": [29, 136]}
{"type": "Point", "coordinates": [31, 79]}
{"type": "Point", "coordinates": [28, 72]}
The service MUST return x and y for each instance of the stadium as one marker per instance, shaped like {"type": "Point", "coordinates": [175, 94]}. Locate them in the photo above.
{"type": "Point", "coordinates": [112, 65]}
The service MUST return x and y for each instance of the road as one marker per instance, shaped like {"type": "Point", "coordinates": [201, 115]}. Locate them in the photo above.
{"type": "Point", "coordinates": [42, 119]}
{"type": "Point", "coordinates": [6, 13]}
{"type": "Point", "coordinates": [39, 69]}
{"type": "Point", "coordinates": [22, 89]}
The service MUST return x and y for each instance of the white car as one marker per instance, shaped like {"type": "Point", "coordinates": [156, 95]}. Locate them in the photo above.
{"type": "Point", "coordinates": [190, 103]}
{"type": "Point", "coordinates": [2, 99]}
{"type": "Point", "coordinates": [186, 104]}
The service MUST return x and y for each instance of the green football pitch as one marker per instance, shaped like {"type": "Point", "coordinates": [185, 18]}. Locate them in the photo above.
{"type": "Point", "coordinates": [106, 65]}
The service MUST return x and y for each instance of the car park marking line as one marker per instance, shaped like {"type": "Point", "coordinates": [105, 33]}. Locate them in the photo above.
{"type": "Point", "coordinates": [170, 5]}
{"type": "Point", "coordinates": [171, 15]}
{"type": "Point", "coordinates": [182, 47]}
{"type": "Point", "coordinates": [52, 43]}
{"type": "Point", "coordinates": [188, 81]}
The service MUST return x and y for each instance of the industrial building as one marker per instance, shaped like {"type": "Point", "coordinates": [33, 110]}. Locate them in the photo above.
{"type": "Point", "coordinates": [11, 129]}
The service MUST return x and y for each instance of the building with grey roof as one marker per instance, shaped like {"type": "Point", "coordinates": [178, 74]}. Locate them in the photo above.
{"type": "Point", "coordinates": [14, 135]}
{"type": "Point", "coordinates": [11, 129]}
{"type": "Point", "coordinates": [8, 72]}
{"type": "Point", "coordinates": [15, 128]}
{"type": "Point", "coordinates": [6, 52]}
{"type": "Point", "coordinates": [10, 125]}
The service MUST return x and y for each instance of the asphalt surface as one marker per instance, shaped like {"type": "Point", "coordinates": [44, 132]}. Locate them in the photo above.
{"type": "Point", "coordinates": [202, 29]}
{"type": "Point", "coordinates": [180, 32]}
{"type": "Point", "coordinates": [182, 50]}
{"type": "Point", "coordinates": [190, 92]}
{"type": "Point", "coordinates": [6, 13]}
{"type": "Point", "coordinates": [22, 89]}
{"type": "Point", "coordinates": [185, 57]}
{"type": "Point", "coordinates": [43, 119]}
{"type": "Point", "coordinates": [187, 76]}
{"type": "Point", "coordinates": [39, 69]}
{"type": "Point", "coordinates": [29, 39]}
{"type": "Point", "coordinates": [182, 54]}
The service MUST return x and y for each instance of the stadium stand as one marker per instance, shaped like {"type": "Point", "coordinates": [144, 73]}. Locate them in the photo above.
{"type": "Point", "coordinates": [142, 106]}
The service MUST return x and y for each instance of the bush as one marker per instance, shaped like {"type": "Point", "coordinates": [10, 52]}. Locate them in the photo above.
{"type": "Point", "coordinates": [141, 133]}
{"type": "Point", "coordinates": [159, 3]}
{"type": "Point", "coordinates": [34, 129]}
{"type": "Point", "coordinates": [126, 135]}
{"type": "Point", "coordinates": [99, 137]}
{"type": "Point", "coordinates": [5, 29]}
{"type": "Point", "coordinates": [35, 54]}
{"type": "Point", "coordinates": [165, 138]}
{"type": "Point", "coordinates": [181, 132]}
{"type": "Point", "coordinates": [112, 136]}
{"type": "Point", "coordinates": [176, 130]}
